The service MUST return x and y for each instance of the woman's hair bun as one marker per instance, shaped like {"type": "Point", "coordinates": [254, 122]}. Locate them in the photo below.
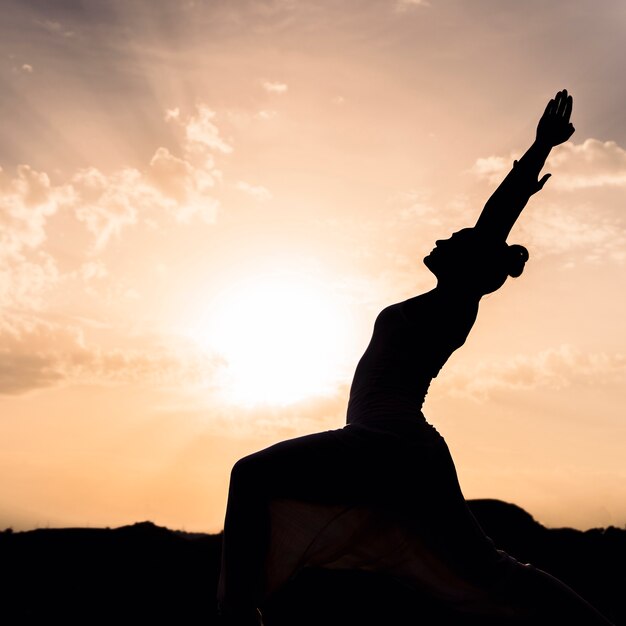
{"type": "Point", "coordinates": [516, 259]}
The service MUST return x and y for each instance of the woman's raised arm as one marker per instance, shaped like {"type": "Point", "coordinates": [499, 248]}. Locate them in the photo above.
{"type": "Point", "coordinates": [509, 199]}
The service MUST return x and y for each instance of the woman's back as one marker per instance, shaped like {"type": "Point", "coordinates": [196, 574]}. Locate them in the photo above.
{"type": "Point", "coordinates": [410, 343]}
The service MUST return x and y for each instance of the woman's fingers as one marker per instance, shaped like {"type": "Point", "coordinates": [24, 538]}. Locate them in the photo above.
{"type": "Point", "coordinates": [568, 108]}
{"type": "Point", "coordinates": [557, 103]}
{"type": "Point", "coordinates": [561, 102]}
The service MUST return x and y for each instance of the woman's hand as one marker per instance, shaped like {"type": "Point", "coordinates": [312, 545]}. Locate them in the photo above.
{"type": "Point", "coordinates": [524, 180]}
{"type": "Point", "coordinates": [554, 126]}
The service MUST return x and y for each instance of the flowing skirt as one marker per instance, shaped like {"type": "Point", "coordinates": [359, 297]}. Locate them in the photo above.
{"type": "Point", "coordinates": [382, 496]}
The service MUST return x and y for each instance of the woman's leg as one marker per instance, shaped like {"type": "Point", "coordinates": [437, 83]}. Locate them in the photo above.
{"type": "Point", "coordinates": [314, 468]}
{"type": "Point", "coordinates": [518, 590]}
{"type": "Point", "coordinates": [544, 600]}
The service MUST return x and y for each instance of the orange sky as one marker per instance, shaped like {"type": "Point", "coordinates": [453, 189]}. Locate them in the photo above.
{"type": "Point", "coordinates": [204, 205]}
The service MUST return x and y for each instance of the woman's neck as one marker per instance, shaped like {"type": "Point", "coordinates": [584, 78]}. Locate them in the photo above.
{"type": "Point", "coordinates": [454, 293]}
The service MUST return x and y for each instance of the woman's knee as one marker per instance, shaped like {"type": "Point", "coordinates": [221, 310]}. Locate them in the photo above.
{"type": "Point", "coordinates": [246, 471]}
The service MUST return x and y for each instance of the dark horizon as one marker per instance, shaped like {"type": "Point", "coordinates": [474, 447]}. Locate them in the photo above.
{"type": "Point", "coordinates": [148, 572]}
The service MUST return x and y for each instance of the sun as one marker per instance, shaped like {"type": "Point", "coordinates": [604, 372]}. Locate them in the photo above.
{"type": "Point", "coordinates": [283, 338]}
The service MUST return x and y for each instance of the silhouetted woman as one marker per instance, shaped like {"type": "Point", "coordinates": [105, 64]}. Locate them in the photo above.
{"type": "Point", "coordinates": [382, 493]}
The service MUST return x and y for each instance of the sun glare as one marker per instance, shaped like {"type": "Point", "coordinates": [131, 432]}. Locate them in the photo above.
{"type": "Point", "coordinates": [283, 338]}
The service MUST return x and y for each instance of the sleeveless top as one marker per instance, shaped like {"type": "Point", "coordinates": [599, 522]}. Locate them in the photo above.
{"type": "Point", "coordinates": [410, 343]}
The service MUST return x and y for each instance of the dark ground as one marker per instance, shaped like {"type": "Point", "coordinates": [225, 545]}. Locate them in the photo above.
{"type": "Point", "coordinates": [146, 574]}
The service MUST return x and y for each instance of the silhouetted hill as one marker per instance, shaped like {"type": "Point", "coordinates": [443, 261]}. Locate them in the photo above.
{"type": "Point", "coordinates": [144, 574]}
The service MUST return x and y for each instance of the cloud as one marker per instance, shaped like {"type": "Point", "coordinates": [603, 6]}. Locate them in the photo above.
{"type": "Point", "coordinates": [177, 178]}
{"type": "Point", "coordinates": [492, 168]}
{"type": "Point", "coordinates": [591, 236]}
{"type": "Point", "coordinates": [274, 87]}
{"type": "Point", "coordinates": [266, 114]}
{"type": "Point", "coordinates": [181, 186]}
{"type": "Point", "coordinates": [37, 353]}
{"type": "Point", "coordinates": [554, 368]}
{"type": "Point", "coordinates": [411, 205]}
{"type": "Point", "coordinates": [27, 201]}
{"type": "Point", "coordinates": [56, 28]}
{"type": "Point", "coordinates": [24, 372]}
{"type": "Point", "coordinates": [172, 114]}
{"type": "Point", "coordinates": [402, 6]}
{"type": "Point", "coordinates": [202, 134]}
{"type": "Point", "coordinates": [590, 164]}
{"type": "Point", "coordinates": [92, 270]}
{"type": "Point", "coordinates": [27, 68]}
{"type": "Point", "coordinates": [108, 203]}
{"type": "Point", "coordinates": [260, 193]}
{"type": "Point", "coordinates": [27, 352]}
{"type": "Point", "coordinates": [24, 283]}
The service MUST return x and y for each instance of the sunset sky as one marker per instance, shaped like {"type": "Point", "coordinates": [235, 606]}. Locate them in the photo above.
{"type": "Point", "coordinates": [205, 203]}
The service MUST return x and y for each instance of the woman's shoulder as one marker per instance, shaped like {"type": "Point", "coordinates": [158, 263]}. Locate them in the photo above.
{"type": "Point", "coordinates": [437, 308]}
{"type": "Point", "coordinates": [408, 313]}
{"type": "Point", "coordinates": [417, 306]}
{"type": "Point", "coordinates": [403, 307]}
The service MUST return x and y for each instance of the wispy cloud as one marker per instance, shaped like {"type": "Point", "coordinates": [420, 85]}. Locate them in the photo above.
{"type": "Point", "coordinates": [492, 168]}
{"type": "Point", "coordinates": [582, 235]}
{"type": "Point", "coordinates": [412, 205]}
{"type": "Point", "coordinates": [27, 201]}
{"type": "Point", "coordinates": [108, 202]}
{"type": "Point", "coordinates": [553, 368]}
{"type": "Point", "coordinates": [274, 87]}
{"type": "Point", "coordinates": [256, 191]}
{"type": "Point", "coordinates": [202, 134]}
{"type": "Point", "coordinates": [92, 270]}
{"type": "Point", "coordinates": [592, 163]}
{"type": "Point", "coordinates": [402, 6]}
{"type": "Point", "coordinates": [37, 353]}
{"type": "Point", "coordinates": [266, 114]}
{"type": "Point", "coordinates": [24, 282]}
{"type": "Point", "coordinates": [55, 27]}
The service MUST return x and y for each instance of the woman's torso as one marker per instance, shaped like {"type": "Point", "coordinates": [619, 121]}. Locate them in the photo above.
{"type": "Point", "coordinates": [410, 343]}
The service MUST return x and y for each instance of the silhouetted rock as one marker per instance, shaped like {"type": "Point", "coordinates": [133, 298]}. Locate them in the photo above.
{"type": "Point", "coordinates": [143, 574]}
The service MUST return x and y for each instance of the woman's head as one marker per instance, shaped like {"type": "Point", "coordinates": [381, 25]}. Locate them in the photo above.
{"type": "Point", "coordinates": [473, 262]}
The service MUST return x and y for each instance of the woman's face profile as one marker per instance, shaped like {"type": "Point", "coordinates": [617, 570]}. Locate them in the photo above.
{"type": "Point", "coordinates": [452, 255]}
